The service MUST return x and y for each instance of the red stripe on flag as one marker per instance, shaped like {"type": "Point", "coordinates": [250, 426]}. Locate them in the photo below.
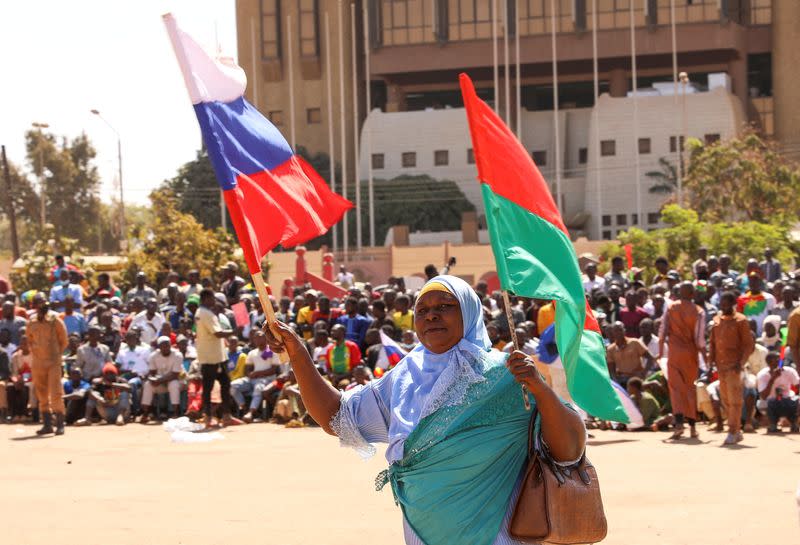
{"type": "Point", "coordinates": [289, 205]}
{"type": "Point", "coordinates": [511, 171]}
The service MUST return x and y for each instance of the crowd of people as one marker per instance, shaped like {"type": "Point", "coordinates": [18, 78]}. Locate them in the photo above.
{"type": "Point", "coordinates": [711, 344]}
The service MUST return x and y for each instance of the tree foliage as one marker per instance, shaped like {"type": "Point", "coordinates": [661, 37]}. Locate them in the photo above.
{"type": "Point", "coordinates": [177, 241]}
{"type": "Point", "coordinates": [38, 259]}
{"type": "Point", "coordinates": [71, 184]}
{"type": "Point", "coordinates": [196, 190]}
{"type": "Point", "coordinates": [685, 233]}
{"type": "Point", "coordinates": [744, 178]}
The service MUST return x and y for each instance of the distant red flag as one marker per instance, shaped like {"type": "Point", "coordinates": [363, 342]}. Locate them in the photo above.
{"type": "Point", "coordinates": [629, 255]}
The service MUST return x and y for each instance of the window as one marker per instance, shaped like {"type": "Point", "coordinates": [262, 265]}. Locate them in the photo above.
{"type": "Point", "coordinates": [653, 218]}
{"type": "Point", "coordinates": [634, 219]}
{"type": "Point", "coordinates": [622, 219]}
{"type": "Point", "coordinates": [672, 144]}
{"type": "Point", "coordinates": [270, 30]}
{"type": "Point", "coordinates": [534, 16]}
{"type": "Point", "coordinates": [606, 235]}
{"type": "Point", "coordinates": [407, 21]}
{"type": "Point", "coordinates": [313, 116]}
{"type": "Point", "coordinates": [583, 156]}
{"type": "Point", "coordinates": [377, 161]}
{"type": "Point", "coordinates": [644, 146]}
{"type": "Point", "coordinates": [608, 147]}
{"type": "Point", "coordinates": [441, 158]}
{"type": "Point", "coordinates": [712, 138]}
{"type": "Point", "coordinates": [615, 14]}
{"type": "Point", "coordinates": [606, 219]}
{"type": "Point", "coordinates": [539, 157]}
{"type": "Point", "coordinates": [309, 28]}
{"type": "Point", "coordinates": [470, 157]}
{"type": "Point", "coordinates": [276, 117]}
{"type": "Point", "coordinates": [409, 159]}
{"type": "Point", "coordinates": [470, 19]}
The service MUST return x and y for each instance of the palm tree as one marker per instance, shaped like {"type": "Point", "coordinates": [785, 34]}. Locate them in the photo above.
{"type": "Point", "coordinates": [666, 179]}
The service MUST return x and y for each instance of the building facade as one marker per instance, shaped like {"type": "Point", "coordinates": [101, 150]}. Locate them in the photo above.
{"type": "Point", "coordinates": [418, 47]}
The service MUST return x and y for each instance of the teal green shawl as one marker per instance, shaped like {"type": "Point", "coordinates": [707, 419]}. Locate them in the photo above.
{"type": "Point", "coordinates": [461, 463]}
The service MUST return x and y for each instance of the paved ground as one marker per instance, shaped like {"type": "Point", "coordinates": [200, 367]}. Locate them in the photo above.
{"type": "Point", "coordinates": [266, 484]}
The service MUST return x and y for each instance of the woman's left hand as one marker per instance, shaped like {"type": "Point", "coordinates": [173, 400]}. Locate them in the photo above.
{"type": "Point", "coordinates": [523, 367]}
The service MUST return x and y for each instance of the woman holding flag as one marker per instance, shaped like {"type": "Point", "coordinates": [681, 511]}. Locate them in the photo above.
{"type": "Point", "coordinates": [452, 416]}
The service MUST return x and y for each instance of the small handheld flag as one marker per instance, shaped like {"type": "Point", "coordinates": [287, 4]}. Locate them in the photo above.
{"type": "Point", "coordinates": [534, 255]}
{"type": "Point", "coordinates": [391, 353]}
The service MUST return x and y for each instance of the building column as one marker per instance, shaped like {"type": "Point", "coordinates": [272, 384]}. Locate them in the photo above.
{"type": "Point", "coordinates": [737, 69]}
{"type": "Point", "coordinates": [785, 60]}
{"type": "Point", "coordinates": [618, 82]}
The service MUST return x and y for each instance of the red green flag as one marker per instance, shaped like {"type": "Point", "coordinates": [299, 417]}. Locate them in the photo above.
{"type": "Point", "coordinates": [534, 255]}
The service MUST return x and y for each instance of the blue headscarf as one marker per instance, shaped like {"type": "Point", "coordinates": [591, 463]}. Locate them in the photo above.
{"type": "Point", "coordinates": [424, 382]}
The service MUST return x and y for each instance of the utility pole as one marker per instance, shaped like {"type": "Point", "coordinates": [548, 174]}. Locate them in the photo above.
{"type": "Point", "coordinates": [12, 214]}
{"type": "Point", "coordinates": [42, 192]}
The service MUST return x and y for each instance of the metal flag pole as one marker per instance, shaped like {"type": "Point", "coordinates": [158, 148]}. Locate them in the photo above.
{"type": "Point", "coordinates": [367, 130]}
{"type": "Point", "coordinates": [291, 78]}
{"type": "Point", "coordinates": [596, 113]}
{"type": "Point", "coordinates": [494, 57]}
{"type": "Point", "coordinates": [506, 80]}
{"type": "Point", "coordinates": [555, 105]}
{"type": "Point", "coordinates": [356, 166]}
{"type": "Point", "coordinates": [343, 127]}
{"type": "Point", "coordinates": [516, 72]}
{"type": "Point", "coordinates": [331, 161]}
{"type": "Point", "coordinates": [640, 221]}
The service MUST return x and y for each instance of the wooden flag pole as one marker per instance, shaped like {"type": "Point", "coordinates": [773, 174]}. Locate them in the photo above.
{"type": "Point", "coordinates": [515, 341]}
{"type": "Point", "coordinates": [266, 304]}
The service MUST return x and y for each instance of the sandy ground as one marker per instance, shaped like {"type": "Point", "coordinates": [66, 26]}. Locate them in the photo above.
{"type": "Point", "coordinates": [266, 484]}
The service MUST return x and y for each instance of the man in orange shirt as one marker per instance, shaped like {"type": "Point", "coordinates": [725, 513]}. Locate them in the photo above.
{"type": "Point", "coordinates": [729, 347]}
{"type": "Point", "coordinates": [47, 335]}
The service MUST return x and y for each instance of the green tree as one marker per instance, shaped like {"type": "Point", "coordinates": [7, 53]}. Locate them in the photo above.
{"type": "Point", "coordinates": [71, 183]}
{"type": "Point", "coordinates": [196, 190]}
{"type": "Point", "coordinates": [744, 178]}
{"type": "Point", "coordinates": [685, 233]}
{"type": "Point", "coordinates": [177, 241]}
{"type": "Point", "coordinates": [665, 179]}
{"type": "Point", "coordinates": [38, 259]}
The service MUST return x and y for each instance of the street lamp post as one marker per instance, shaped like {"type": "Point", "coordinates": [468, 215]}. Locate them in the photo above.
{"type": "Point", "coordinates": [122, 226]}
{"type": "Point", "coordinates": [684, 79]}
{"type": "Point", "coordinates": [41, 126]}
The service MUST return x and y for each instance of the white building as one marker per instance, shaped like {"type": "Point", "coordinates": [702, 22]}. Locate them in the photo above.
{"type": "Point", "coordinates": [437, 143]}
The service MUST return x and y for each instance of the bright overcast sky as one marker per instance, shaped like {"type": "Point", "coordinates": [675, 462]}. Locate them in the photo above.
{"type": "Point", "coordinates": [61, 59]}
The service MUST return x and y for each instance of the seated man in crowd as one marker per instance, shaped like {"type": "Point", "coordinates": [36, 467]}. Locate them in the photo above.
{"type": "Point", "coordinates": [132, 360]}
{"type": "Point", "coordinates": [165, 365]}
{"type": "Point", "coordinates": [20, 391]}
{"type": "Point", "coordinates": [647, 404]}
{"type": "Point", "coordinates": [624, 356]}
{"type": "Point", "coordinates": [343, 355]}
{"type": "Point", "coordinates": [92, 355]}
{"type": "Point", "coordinates": [75, 390]}
{"type": "Point", "coordinates": [261, 370]}
{"type": "Point", "coordinates": [775, 390]}
{"type": "Point", "coordinates": [109, 396]}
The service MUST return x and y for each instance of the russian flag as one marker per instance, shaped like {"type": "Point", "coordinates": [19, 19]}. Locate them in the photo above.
{"type": "Point", "coordinates": [391, 354]}
{"type": "Point", "coordinates": [273, 196]}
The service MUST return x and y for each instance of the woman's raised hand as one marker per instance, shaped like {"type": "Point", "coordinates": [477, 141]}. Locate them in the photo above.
{"type": "Point", "coordinates": [523, 367]}
{"type": "Point", "coordinates": [281, 337]}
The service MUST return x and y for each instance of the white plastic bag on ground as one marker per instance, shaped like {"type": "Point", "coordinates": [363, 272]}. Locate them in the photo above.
{"type": "Point", "coordinates": [191, 437]}
{"type": "Point", "coordinates": [181, 424]}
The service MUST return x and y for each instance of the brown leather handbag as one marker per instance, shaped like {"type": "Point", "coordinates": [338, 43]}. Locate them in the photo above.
{"type": "Point", "coordinates": [559, 505]}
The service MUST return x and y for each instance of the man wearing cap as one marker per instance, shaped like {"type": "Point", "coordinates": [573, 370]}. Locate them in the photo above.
{"type": "Point", "coordinates": [141, 290]}
{"type": "Point", "coordinates": [232, 284]}
{"type": "Point", "coordinates": [110, 396]}
{"type": "Point", "coordinates": [47, 336]}
{"type": "Point", "coordinates": [165, 366]}
{"type": "Point", "coordinates": [211, 355]}
{"type": "Point", "coordinates": [92, 355]}
{"type": "Point", "coordinates": [305, 316]}
{"type": "Point", "coordinates": [683, 329]}
{"type": "Point", "coordinates": [591, 281]}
